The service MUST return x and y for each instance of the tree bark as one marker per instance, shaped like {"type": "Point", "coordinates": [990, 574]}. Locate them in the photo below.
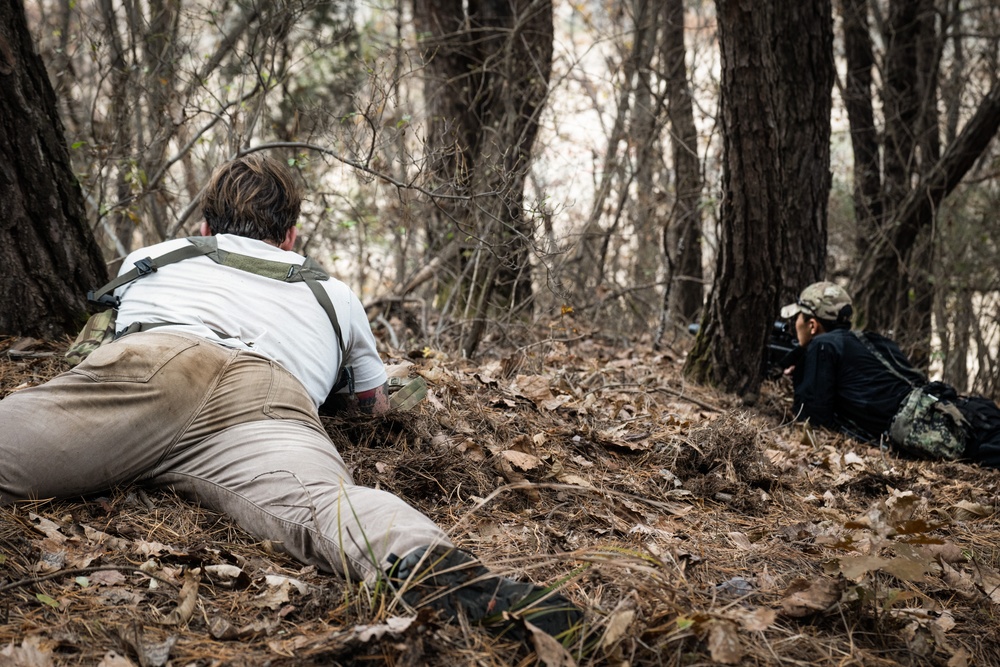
{"type": "Point", "coordinates": [760, 225]}
{"type": "Point", "coordinates": [47, 253]}
{"type": "Point", "coordinates": [683, 234]}
{"type": "Point", "coordinates": [861, 117]}
{"type": "Point", "coordinates": [485, 85]}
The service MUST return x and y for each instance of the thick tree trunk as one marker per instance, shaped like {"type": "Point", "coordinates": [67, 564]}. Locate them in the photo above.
{"type": "Point", "coordinates": [760, 225]}
{"type": "Point", "coordinates": [803, 59]}
{"type": "Point", "coordinates": [47, 253]}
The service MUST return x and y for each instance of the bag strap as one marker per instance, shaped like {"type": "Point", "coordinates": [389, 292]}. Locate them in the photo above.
{"type": "Point", "coordinates": [143, 267]}
{"type": "Point", "coordinates": [310, 272]}
{"type": "Point", "coordinates": [885, 362]}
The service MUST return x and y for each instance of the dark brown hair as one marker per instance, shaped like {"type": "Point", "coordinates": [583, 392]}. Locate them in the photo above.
{"type": "Point", "coordinates": [254, 196]}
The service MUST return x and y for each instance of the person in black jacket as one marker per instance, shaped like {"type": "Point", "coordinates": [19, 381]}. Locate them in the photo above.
{"type": "Point", "coordinates": [842, 385]}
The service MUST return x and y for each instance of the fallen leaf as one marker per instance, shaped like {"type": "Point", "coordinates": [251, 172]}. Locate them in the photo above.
{"type": "Point", "coordinates": [908, 568]}
{"type": "Point", "coordinates": [548, 649]}
{"type": "Point", "coordinates": [964, 510]}
{"type": "Point", "coordinates": [29, 654]}
{"type": "Point", "coordinates": [756, 620]}
{"type": "Point", "coordinates": [575, 480]}
{"type": "Point", "coordinates": [618, 623]}
{"type": "Point", "coordinates": [724, 643]}
{"type": "Point", "coordinates": [804, 597]}
{"type": "Point", "coordinates": [187, 600]}
{"type": "Point", "coordinates": [855, 567]}
{"type": "Point", "coordinates": [521, 460]}
{"type": "Point", "coordinates": [394, 626]}
{"type": "Point", "coordinates": [112, 659]}
{"type": "Point", "coordinates": [988, 581]}
{"type": "Point", "coordinates": [48, 528]}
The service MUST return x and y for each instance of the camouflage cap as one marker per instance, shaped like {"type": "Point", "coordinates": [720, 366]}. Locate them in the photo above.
{"type": "Point", "coordinates": [826, 301]}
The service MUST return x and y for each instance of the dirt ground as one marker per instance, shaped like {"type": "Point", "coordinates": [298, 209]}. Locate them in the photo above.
{"type": "Point", "coordinates": [692, 529]}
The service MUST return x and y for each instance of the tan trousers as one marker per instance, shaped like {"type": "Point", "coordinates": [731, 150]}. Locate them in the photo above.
{"type": "Point", "coordinates": [228, 428]}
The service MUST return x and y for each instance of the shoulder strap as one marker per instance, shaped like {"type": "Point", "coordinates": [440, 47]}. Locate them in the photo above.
{"type": "Point", "coordinates": [310, 272]}
{"type": "Point", "coordinates": [878, 355]}
{"type": "Point", "coordinates": [105, 294]}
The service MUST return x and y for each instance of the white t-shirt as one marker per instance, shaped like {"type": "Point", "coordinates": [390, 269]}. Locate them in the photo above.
{"type": "Point", "coordinates": [278, 320]}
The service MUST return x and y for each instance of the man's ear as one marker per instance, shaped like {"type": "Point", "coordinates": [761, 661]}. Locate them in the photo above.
{"type": "Point", "coordinates": [290, 237]}
{"type": "Point", "coordinates": [205, 231]}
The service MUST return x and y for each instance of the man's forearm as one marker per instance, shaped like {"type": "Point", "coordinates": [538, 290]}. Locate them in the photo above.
{"type": "Point", "coordinates": [374, 401]}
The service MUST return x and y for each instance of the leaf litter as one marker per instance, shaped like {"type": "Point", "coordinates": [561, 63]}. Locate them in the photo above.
{"type": "Point", "coordinates": [691, 528]}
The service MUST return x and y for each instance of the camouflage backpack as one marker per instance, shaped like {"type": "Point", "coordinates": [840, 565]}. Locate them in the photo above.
{"type": "Point", "coordinates": [925, 424]}
{"type": "Point", "coordinates": [929, 426]}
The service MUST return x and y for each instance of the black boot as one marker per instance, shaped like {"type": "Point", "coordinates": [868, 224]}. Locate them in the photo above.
{"type": "Point", "coordinates": [449, 580]}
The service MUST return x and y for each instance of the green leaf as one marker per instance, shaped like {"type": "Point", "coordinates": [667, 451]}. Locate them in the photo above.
{"type": "Point", "coordinates": [684, 623]}
{"type": "Point", "coordinates": [83, 582]}
{"type": "Point", "coordinates": [45, 599]}
{"type": "Point", "coordinates": [77, 144]}
{"type": "Point", "coordinates": [3, 559]}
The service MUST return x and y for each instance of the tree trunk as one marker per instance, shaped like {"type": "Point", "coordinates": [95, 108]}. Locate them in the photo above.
{"type": "Point", "coordinates": [683, 242]}
{"type": "Point", "coordinates": [864, 135]}
{"type": "Point", "coordinates": [47, 251]}
{"type": "Point", "coordinates": [803, 57]}
{"type": "Point", "coordinates": [760, 225]}
{"type": "Point", "coordinates": [485, 86]}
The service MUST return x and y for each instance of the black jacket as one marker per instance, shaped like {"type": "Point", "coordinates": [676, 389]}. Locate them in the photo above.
{"type": "Point", "coordinates": [840, 384]}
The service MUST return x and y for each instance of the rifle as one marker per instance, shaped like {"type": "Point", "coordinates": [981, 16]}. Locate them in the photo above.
{"type": "Point", "coordinates": [782, 347]}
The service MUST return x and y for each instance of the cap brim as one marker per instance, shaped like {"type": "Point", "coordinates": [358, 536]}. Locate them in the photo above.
{"type": "Point", "coordinates": [791, 310]}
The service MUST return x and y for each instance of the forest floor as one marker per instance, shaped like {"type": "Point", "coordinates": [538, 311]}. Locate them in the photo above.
{"type": "Point", "coordinates": [692, 529]}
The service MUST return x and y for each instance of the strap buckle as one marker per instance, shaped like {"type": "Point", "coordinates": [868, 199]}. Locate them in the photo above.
{"type": "Point", "coordinates": [145, 266]}
{"type": "Point", "coordinates": [109, 300]}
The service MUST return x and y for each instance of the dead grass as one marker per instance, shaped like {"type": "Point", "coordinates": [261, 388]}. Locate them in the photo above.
{"type": "Point", "coordinates": [693, 531]}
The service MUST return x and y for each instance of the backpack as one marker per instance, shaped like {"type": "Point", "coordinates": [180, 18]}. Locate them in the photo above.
{"type": "Point", "coordinates": [929, 426]}
{"type": "Point", "coordinates": [100, 328]}
{"type": "Point", "coordinates": [926, 423]}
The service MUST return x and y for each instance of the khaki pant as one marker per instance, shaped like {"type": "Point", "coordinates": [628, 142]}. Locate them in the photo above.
{"type": "Point", "coordinates": [228, 428]}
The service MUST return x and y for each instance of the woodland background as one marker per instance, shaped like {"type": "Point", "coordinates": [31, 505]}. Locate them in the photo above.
{"type": "Point", "coordinates": [534, 199]}
{"type": "Point", "coordinates": [477, 168]}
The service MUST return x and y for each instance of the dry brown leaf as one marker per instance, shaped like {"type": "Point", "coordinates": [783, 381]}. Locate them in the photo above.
{"type": "Point", "coordinates": [393, 627]}
{"type": "Point", "coordinates": [741, 541]}
{"type": "Point", "coordinates": [946, 553]}
{"type": "Point", "coordinates": [756, 620]}
{"type": "Point", "coordinates": [524, 444]}
{"type": "Point", "coordinates": [988, 581]}
{"type": "Point", "coordinates": [549, 651]}
{"type": "Point", "coordinates": [618, 624]}
{"type": "Point", "coordinates": [855, 567]}
{"type": "Point", "coordinates": [959, 659]}
{"type": "Point", "coordinates": [112, 659]}
{"type": "Point", "coordinates": [804, 597]}
{"type": "Point", "coordinates": [964, 510]}
{"type": "Point", "coordinates": [107, 578]}
{"type": "Point", "coordinates": [521, 460]}
{"type": "Point", "coordinates": [909, 568]}
{"type": "Point", "coordinates": [534, 387]}
{"type": "Point", "coordinates": [187, 600]}
{"type": "Point", "coordinates": [29, 654]}
{"type": "Point", "coordinates": [48, 528]}
{"type": "Point", "coordinates": [724, 643]}
{"type": "Point", "coordinates": [575, 480]}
